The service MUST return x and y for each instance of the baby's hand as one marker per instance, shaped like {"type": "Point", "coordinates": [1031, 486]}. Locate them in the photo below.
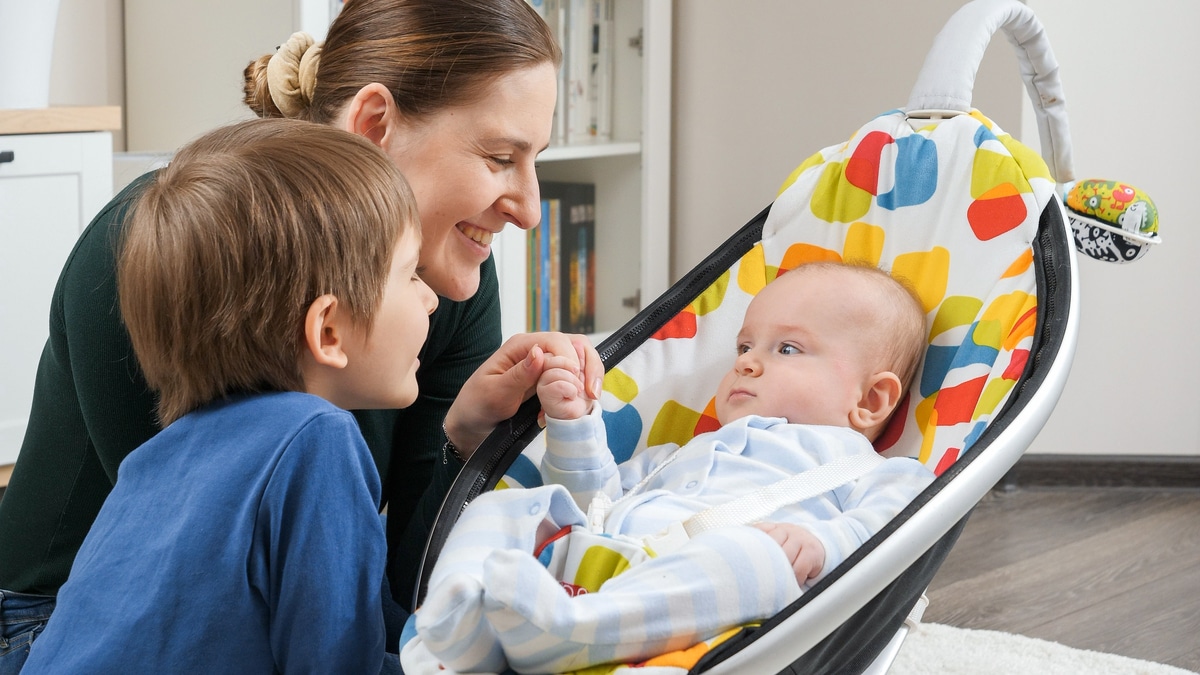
{"type": "Point", "coordinates": [560, 390]}
{"type": "Point", "coordinates": [801, 547]}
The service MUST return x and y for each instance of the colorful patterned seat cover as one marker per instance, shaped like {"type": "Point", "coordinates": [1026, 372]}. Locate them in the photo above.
{"type": "Point", "coordinates": [953, 208]}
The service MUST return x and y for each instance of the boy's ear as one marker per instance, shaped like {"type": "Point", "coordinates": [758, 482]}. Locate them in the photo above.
{"type": "Point", "coordinates": [325, 331]}
{"type": "Point", "coordinates": [880, 397]}
{"type": "Point", "coordinates": [372, 113]}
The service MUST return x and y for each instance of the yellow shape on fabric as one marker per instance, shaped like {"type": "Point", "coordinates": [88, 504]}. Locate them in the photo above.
{"type": "Point", "coordinates": [927, 271]}
{"type": "Point", "coordinates": [836, 200]}
{"type": "Point", "coordinates": [752, 272]}
{"type": "Point", "coordinates": [812, 161]}
{"type": "Point", "coordinates": [598, 565]}
{"type": "Point", "coordinates": [1031, 163]}
{"type": "Point", "coordinates": [864, 243]}
{"type": "Point", "coordinates": [712, 296]}
{"type": "Point", "coordinates": [1019, 266]}
{"type": "Point", "coordinates": [1004, 312]}
{"type": "Point", "coordinates": [620, 385]}
{"type": "Point", "coordinates": [602, 669]}
{"type": "Point", "coordinates": [995, 391]}
{"type": "Point", "coordinates": [983, 119]}
{"type": "Point", "coordinates": [675, 423]}
{"type": "Point", "coordinates": [992, 170]}
{"type": "Point", "coordinates": [987, 333]}
{"type": "Point", "coordinates": [801, 254]}
{"type": "Point", "coordinates": [926, 411]}
{"type": "Point", "coordinates": [957, 310]}
{"type": "Point", "coordinates": [502, 485]}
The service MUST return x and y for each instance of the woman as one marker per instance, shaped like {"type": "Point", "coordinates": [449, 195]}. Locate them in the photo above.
{"type": "Point", "coordinates": [460, 94]}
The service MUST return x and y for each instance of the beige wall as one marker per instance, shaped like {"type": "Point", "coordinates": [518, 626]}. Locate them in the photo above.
{"type": "Point", "coordinates": [1131, 73]}
{"type": "Point", "coordinates": [761, 84]}
{"type": "Point", "coordinates": [88, 64]}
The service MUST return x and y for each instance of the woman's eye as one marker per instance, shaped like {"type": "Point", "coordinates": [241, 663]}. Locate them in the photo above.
{"type": "Point", "coordinates": [502, 161]}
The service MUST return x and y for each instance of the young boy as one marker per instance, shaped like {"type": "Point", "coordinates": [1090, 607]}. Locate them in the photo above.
{"type": "Point", "coordinates": [825, 354]}
{"type": "Point", "coordinates": [269, 282]}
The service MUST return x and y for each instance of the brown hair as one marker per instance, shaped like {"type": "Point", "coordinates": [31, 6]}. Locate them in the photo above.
{"type": "Point", "coordinates": [899, 309]}
{"type": "Point", "coordinates": [230, 244]}
{"type": "Point", "coordinates": [431, 55]}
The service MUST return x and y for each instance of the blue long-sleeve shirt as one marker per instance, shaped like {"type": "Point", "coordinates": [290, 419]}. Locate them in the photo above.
{"type": "Point", "coordinates": [243, 538]}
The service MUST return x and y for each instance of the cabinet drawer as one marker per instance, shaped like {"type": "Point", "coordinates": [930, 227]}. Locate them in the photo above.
{"type": "Point", "coordinates": [42, 154]}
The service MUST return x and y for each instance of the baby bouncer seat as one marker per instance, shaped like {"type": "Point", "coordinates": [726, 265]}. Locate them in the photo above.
{"type": "Point", "coordinates": [936, 193]}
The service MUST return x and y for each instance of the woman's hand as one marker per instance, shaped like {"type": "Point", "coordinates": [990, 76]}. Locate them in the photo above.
{"type": "Point", "coordinates": [495, 391]}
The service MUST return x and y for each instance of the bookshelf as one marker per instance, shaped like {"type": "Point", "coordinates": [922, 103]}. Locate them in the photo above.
{"type": "Point", "coordinates": [631, 174]}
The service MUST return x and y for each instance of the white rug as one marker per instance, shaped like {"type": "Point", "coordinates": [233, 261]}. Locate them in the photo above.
{"type": "Point", "coordinates": [934, 649]}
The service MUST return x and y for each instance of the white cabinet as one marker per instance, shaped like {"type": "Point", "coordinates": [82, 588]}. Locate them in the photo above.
{"type": "Point", "coordinates": [50, 187]}
{"type": "Point", "coordinates": [631, 174]}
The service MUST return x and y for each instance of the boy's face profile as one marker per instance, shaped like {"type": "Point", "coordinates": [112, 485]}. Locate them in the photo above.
{"type": "Point", "coordinates": [381, 371]}
{"type": "Point", "coordinates": [802, 352]}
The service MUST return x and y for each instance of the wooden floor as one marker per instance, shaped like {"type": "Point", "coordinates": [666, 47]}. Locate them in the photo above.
{"type": "Point", "coordinates": [1115, 570]}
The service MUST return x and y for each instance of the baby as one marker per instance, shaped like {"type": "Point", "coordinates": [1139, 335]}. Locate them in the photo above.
{"type": "Point", "coordinates": [825, 354]}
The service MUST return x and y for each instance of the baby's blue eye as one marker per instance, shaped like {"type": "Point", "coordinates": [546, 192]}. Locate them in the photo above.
{"type": "Point", "coordinates": [788, 349]}
{"type": "Point", "coordinates": [742, 349]}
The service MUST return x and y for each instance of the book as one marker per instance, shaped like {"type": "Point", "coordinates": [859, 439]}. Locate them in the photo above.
{"type": "Point", "coordinates": [509, 251]}
{"type": "Point", "coordinates": [576, 254]}
{"type": "Point", "coordinates": [554, 13]}
{"type": "Point", "coordinates": [600, 74]}
{"type": "Point", "coordinates": [577, 63]}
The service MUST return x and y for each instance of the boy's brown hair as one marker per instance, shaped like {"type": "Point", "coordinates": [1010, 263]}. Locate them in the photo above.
{"type": "Point", "coordinates": [230, 244]}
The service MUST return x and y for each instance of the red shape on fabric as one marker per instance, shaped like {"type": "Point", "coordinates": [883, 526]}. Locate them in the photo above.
{"type": "Point", "coordinates": [553, 538]}
{"type": "Point", "coordinates": [682, 325]}
{"type": "Point", "coordinates": [1017, 365]}
{"type": "Point", "coordinates": [862, 169]}
{"type": "Point", "coordinates": [950, 456]}
{"type": "Point", "coordinates": [891, 433]}
{"type": "Point", "coordinates": [992, 217]}
{"type": "Point", "coordinates": [705, 424]}
{"type": "Point", "coordinates": [956, 404]}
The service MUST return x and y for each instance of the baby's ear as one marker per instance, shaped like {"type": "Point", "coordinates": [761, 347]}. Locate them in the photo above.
{"type": "Point", "coordinates": [881, 394]}
{"type": "Point", "coordinates": [325, 331]}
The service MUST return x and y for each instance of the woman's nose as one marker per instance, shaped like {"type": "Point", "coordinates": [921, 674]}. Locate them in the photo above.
{"type": "Point", "coordinates": [521, 205]}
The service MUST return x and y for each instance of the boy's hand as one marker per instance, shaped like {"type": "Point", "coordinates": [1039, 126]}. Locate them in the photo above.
{"type": "Point", "coordinates": [495, 391]}
{"type": "Point", "coordinates": [801, 547]}
{"type": "Point", "coordinates": [560, 390]}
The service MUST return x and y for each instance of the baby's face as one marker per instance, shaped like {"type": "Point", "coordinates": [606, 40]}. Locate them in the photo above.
{"type": "Point", "coordinates": [801, 352]}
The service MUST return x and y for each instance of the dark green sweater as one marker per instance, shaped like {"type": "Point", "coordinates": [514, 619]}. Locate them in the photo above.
{"type": "Point", "coordinates": [91, 407]}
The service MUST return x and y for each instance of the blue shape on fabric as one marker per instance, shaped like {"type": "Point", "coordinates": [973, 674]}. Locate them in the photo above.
{"type": "Point", "coordinates": [940, 360]}
{"type": "Point", "coordinates": [983, 135]}
{"type": "Point", "coordinates": [623, 428]}
{"type": "Point", "coordinates": [524, 472]}
{"type": "Point", "coordinates": [976, 432]}
{"type": "Point", "coordinates": [916, 173]}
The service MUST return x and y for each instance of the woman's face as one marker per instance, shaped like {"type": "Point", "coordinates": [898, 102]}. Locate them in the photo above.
{"type": "Point", "coordinates": [471, 169]}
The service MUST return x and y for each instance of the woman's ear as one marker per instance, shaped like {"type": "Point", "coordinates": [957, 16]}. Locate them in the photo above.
{"type": "Point", "coordinates": [325, 332]}
{"type": "Point", "coordinates": [880, 397]}
{"type": "Point", "coordinates": [372, 114]}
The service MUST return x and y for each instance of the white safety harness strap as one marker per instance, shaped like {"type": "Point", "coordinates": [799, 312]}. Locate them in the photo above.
{"type": "Point", "coordinates": [755, 506]}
